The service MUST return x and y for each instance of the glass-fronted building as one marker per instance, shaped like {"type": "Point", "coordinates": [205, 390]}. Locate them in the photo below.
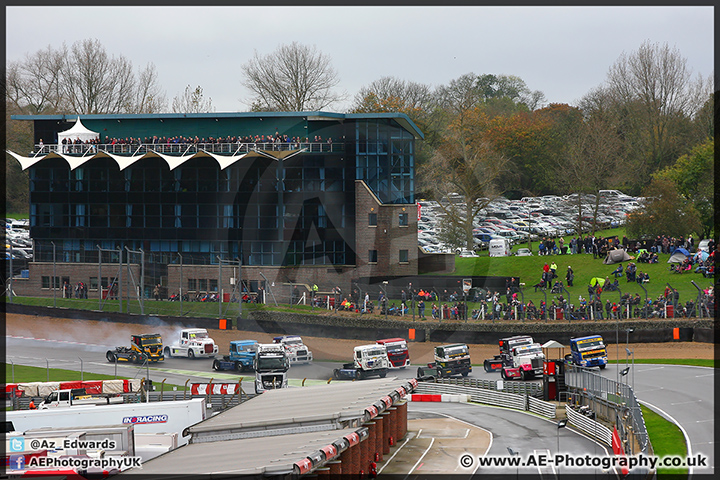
{"type": "Point", "coordinates": [270, 189]}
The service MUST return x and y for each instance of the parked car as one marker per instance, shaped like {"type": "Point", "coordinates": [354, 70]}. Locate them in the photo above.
{"type": "Point", "coordinates": [523, 252]}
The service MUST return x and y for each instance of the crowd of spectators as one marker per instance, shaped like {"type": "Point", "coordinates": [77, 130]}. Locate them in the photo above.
{"type": "Point", "coordinates": [180, 143]}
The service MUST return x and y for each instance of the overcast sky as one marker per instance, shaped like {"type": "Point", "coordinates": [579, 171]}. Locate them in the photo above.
{"type": "Point", "coordinates": [562, 51]}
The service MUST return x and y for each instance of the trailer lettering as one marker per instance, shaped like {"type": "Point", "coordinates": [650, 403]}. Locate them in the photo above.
{"type": "Point", "coordinates": [144, 419]}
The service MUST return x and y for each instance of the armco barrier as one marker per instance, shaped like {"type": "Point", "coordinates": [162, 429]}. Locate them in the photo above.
{"type": "Point", "coordinates": [540, 407]}
{"type": "Point", "coordinates": [479, 395]}
{"type": "Point", "coordinates": [520, 388]}
{"type": "Point", "coordinates": [589, 426]}
{"type": "Point", "coordinates": [440, 388]}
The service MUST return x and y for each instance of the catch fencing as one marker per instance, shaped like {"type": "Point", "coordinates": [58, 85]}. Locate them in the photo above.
{"type": "Point", "coordinates": [612, 401]}
{"type": "Point", "coordinates": [481, 391]}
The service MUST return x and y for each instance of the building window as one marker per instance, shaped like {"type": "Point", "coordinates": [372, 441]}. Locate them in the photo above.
{"type": "Point", "coordinates": [403, 256]}
{"type": "Point", "coordinates": [192, 284]}
{"type": "Point", "coordinates": [46, 281]}
{"type": "Point", "coordinates": [372, 256]}
{"type": "Point", "coordinates": [403, 218]}
{"type": "Point", "coordinates": [372, 219]}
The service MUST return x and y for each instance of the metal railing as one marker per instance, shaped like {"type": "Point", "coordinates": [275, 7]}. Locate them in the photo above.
{"type": "Point", "coordinates": [618, 397]}
{"type": "Point", "coordinates": [481, 392]}
{"type": "Point", "coordinates": [178, 149]}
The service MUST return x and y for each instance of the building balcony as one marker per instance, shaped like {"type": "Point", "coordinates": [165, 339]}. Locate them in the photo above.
{"type": "Point", "coordinates": [183, 149]}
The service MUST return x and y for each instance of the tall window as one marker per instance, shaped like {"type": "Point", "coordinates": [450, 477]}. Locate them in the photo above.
{"type": "Point", "coordinates": [403, 256]}
{"type": "Point", "coordinates": [403, 219]}
{"type": "Point", "coordinates": [372, 256]}
{"type": "Point", "coordinates": [372, 219]}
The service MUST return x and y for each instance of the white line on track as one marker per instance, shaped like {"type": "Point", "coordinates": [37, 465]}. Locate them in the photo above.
{"type": "Point", "coordinates": [387, 462]}
{"type": "Point", "coordinates": [432, 440]}
{"type": "Point", "coordinates": [684, 403]}
{"type": "Point", "coordinates": [668, 416]}
{"type": "Point", "coordinates": [56, 341]}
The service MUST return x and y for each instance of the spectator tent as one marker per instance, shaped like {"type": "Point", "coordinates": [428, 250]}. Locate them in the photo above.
{"type": "Point", "coordinates": [616, 256]}
{"type": "Point", "coordinates": [76, 131]}
{"type": "Point", "coordinates": [677, 257]}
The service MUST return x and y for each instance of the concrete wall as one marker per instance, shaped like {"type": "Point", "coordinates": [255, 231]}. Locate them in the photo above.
{"type": "Point", "coordinates": [361, 327]}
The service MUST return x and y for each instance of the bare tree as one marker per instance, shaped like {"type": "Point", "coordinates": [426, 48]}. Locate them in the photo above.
{"type": "Point", "coordinates": [294, 78]}
{"type": "Point", "coordinates": [149, 96]}
{"type": "Point", "coordinates": [392, 94]}
{"type": "Point", "coordinates": [33, 85]}
{"type": "Point", "coordinates": [192, 101]}
{"type": "Point", "coordinates": [95, 82]}
{"type": "Point", "coordinates": [653, 86]}
{"type": "Point", "coordinates": [465, 164]}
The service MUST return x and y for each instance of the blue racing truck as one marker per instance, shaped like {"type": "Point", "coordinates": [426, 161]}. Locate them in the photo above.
{"type": "Point", "coordinates": [241, 356]}
{"type": "Point", "coordinates": [587, 351]}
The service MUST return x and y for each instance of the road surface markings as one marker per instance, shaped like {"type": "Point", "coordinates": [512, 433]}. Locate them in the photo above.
{"type": "Point", "coordinates": [432, 440]}
{"type": "Point", "coordinates": [56, 341]}
{"type": "Point", "coordinates": [683, 403]}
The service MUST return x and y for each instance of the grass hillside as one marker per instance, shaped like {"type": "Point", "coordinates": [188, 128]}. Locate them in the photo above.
{"type": "Point", "coordinates": [529, 270]}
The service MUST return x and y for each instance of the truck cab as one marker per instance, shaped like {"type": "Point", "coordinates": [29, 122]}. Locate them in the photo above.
{"type": "Point", "coordinates": [240, 357]}
{"type": "Point", "coordinates": [193, 343]}
{"type": "Point", "coordinates": [368, 361]}
{"type": "Point", "coordinates": [527, 362]}
{"type": "Point", "coordinates": [146, 346]}
{"type": "Point", "coordinates": [271, 365]}
{"type": "Point", "coordinates": [588, 351]}
{"type": "Point", "coordinates": [452, 359]}
{"type": "Point", "coordinates": [397, 351]}
{"type": "Point", "coordinates": [296, 349]}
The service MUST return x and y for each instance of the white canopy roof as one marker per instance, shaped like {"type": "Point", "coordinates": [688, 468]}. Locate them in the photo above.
{"type": "Point", "coordinates": [77, 131]}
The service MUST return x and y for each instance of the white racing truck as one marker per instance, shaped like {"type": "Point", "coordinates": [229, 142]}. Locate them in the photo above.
{"type": "Point", "coordinates": [194, 343]}
{"type": "Point", "coordinates": [527, 362]}
{"type": "Point", "coordinates": [368, 361]}
{"type": "Point", "coordinates": [297, 351]}
{"type": "Point", "coordinates": [271, 365]}
{"type": "Point", "coordinates": [76, 397]}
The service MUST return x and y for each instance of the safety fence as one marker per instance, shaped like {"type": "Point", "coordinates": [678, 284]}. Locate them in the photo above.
{"type": "Point", "coordinates": [613, 401]}
{"type": "Point", "coordinates": [521, 388]}
{"type": "Point", "coordinates": [490, 397]}
{"type": "Point", "coordinates": [589, 426]}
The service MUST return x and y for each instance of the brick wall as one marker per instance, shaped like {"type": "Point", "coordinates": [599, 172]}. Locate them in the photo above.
{"type": "Point", "coordinates": [388, 237]}
{"type": "Point", "coordinates": [75, 272]}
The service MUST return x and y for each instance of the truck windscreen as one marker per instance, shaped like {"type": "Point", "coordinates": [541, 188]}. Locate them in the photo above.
{"type": "Point", "coordinates": [146, 342]}
{"type": "Point", "coordinates": [456, 351]}
{"type": "Point", "coordinates": [271, 363]}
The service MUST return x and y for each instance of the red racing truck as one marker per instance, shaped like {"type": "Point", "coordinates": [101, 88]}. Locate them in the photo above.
{"type": "Point", "coordinates": [397, 351]}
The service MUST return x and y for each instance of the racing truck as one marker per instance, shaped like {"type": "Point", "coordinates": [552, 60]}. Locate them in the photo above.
{"type": "Point", "coordinates": [76, 397]}
{"type": "Point", "coordinates": [453, 359]}
{"type": "Point", "coordinates": [271, 364]}
{"type": "Point", "coordinates": [240, 358]}
{"type": "Point", "coordinates": [397, 350]}
{"type": "Point", "coordinates": [144, 346]}
{"type": "Point", "coordinates": [587, 351]}
{"type": "Point", "coordinates": [524, 362]}
{"type": "Point", "coordinates": [368, 361]}
{"type": "Point", "coordinates": [504, 358]}
{"type": "Point", "coordinates": [296, 349]}
{"type": "Point", "coordinates": [194, 343]}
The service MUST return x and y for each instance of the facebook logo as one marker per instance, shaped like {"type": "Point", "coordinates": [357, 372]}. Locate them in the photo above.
{"type": "Point", "coordinates": [17, 462]}
{"type": "Point", "coordinates": [17, 444]}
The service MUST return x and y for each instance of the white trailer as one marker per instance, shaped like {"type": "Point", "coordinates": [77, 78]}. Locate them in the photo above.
{"type": "Point", "coordinates": [152, 417]}
{"type": "Point", "coordinates": [193, 343]}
